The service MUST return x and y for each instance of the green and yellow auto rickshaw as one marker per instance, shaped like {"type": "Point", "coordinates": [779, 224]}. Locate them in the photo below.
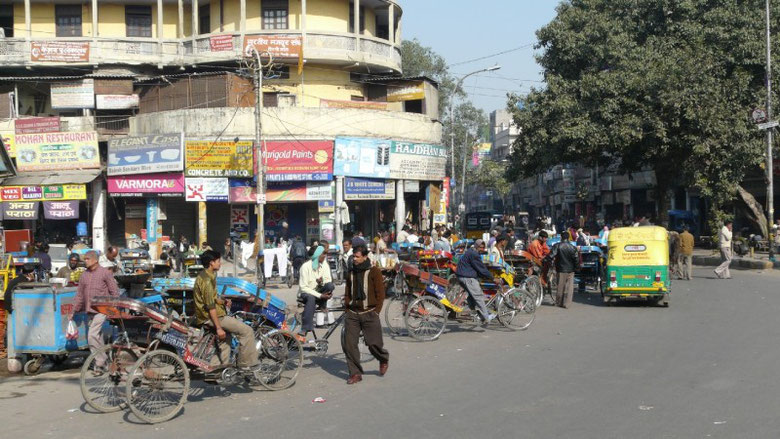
{"type": "Point", "coordinates": [638, 265]}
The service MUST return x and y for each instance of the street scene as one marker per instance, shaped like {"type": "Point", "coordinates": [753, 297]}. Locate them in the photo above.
{"type": "Point", "coordinates": [388, 218]}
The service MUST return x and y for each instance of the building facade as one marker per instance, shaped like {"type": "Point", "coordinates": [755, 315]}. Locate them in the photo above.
{"type": "Point", "coordinates": [152, 104]}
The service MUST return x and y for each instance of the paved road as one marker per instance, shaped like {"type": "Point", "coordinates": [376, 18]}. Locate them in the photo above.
{"type": "Point", "coordinates": [705, 367]}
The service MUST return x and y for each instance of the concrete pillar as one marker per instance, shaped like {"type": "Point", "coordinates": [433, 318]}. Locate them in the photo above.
{"type": "Point", "coordinates": [180, 32]}
{"type": "Point", "coordinates": [202, 232]}
{"type": "Point", "coordinates": [391, 23]}
{"type": "Point", "coordinates": [95, 30]}
{"type": "Point", "coordinates": [27, 20]}
{"type": "Point", "coordinates": [242, 22]}
{"type": "Point", "coordinates": [339, 232]}
{"type": "Point", "coordinates": [195, 25]}
{"type": "Point", "coordinates": [356, 13]}
{"type": "Point", "coordinates": [400, 206]}
{"type": "Point", "coordinates": [98, 215]}
{"type": "Point", "coordinates": [160, 21]}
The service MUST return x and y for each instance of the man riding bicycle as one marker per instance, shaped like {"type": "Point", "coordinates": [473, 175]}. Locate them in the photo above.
{"type": "Point", "coordinates": [470, 268]}
{"type": "Point", "coordinates": [211, 311]}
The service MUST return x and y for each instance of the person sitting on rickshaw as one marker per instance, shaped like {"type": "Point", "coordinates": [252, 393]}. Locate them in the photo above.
{"type": "Point", "coordinates": [496, 253]}
{"type": "Point", "coordinates": [316, 287]}
{"type": "Point", "coordinates": [539, 250]}
{"type": "Point", "coordinates": [470, 268]}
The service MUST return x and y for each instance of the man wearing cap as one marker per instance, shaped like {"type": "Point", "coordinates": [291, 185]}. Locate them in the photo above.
{"type": "Point", "coordinates": [67, 271]}
{"type": "Point", "coordinates": [6, 308]}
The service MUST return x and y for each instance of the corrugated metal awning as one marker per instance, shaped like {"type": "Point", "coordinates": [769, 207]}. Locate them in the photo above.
{"type": "Point", "coordinates": [43, 178]}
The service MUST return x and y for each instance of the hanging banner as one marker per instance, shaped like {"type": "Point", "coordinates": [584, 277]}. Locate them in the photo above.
{"type": "Point", "coordinates": [417, 161]}
{"type": "Point", "coordinates": [218, 159]}
{"type": "Point", "coordinates": [73, 95]}
{"type": "Point", "coordinates": [239, 220]}
{"type": "Point", "coordinates": [36, 125]}
{"type": "Point", "coordinates": [299, 161]}
{"type": "Point", "coordinates": [44, 193]}
{"type": "Point", "coordinates": [362, 157]}
{"type": "Point", "coordinates": [206, 189]}
{"type": "Point", "coordinates": [9, 141]}
{"type": "Point", "coordinates": [20, 210]}
{"type": "Point", "coordinates": [60, 210]}
{"type": "Point", "coordinates": [368, 189]}
{"type": "Point", "coordinates": [57, 151]}
{"type": "Point", "coordinates": [164, 185]}
{"type": "Point", "coordinates": [146, 154]}
{"type": "Point", "coordinates": [279, 46]}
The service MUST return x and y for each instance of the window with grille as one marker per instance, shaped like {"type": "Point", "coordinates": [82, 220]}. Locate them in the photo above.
{"type": "Point", "coordinates": [138, 21]}
{"type": "Point", "coordinates": [7, 20]}
{"type": "Point", "coordinates": [68, 20]}
{"type": "Point", "coordinates": [275, 14]}
{"type": "Point", "coordinates": [361, 13]}
{"type": "Point", "coordinates": [204, 19]}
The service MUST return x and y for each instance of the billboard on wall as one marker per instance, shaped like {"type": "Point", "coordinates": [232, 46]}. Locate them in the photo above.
{"type": "Point", "coordinates": [368, 189]}
{"type": "Point", "coordinates": [417, 161]}
{"type": "Point", "coordinates": [35, 125]}
{"type": "Point", "coordinates": [59, 51]}
{"type": "Point", "coordinates": [53, 151]}
{"type": "Point", "coordinates": [170, 185]}
{"type": "Point", "coordinates": [206, 189]}
{"type": "Point", "coordinates": [310, 191]}
{"type": "Point", "coordinates": [299, 160]}
{"type": "Point", "coordinates": [218, 159]}
{"type": "Point", "coordinates": [75, 94]}
{"type": "Point", "coordinates": [279, 46]}
{"type": "Point", "coordinates": [152, 153]}
{"type": "Point", "coordinates": [362, 157]}
{"type": "Point", "coordinates": [44, 193]}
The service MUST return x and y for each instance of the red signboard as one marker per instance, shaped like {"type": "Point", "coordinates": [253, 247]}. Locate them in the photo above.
{"type": "Point", "coordinates": [59, 51]}
{"type": "Point", "coordinates": [221, 43]}
{"type": "Point", "coordinates": [36, 125]}
{"type": "Point", "coordinates": [12, 193]}
{"type": "Point", "coordinates": [299, 161]}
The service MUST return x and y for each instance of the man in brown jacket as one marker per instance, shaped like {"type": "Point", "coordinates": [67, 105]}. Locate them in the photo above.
{"type": "Point", "coordinates": [686, 254]}
{"type": "Point", "coordinates": [363, 298]}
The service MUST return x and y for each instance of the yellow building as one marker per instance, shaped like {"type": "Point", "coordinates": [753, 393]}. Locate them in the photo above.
{"type": "Point", "coordinates": [332, 70]}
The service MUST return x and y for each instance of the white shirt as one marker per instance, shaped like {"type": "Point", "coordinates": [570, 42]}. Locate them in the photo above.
{"type": "Point", "coordinates": [725, 237]}
{"type": "Point", "coordinates": [308, 277]}
{"type": "Point", "coordinates": [402, 236]}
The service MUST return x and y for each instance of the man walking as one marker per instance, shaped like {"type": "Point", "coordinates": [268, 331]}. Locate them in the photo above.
{"type": "Point", "coordinates": [725, 251]}
{"type": "Point", "coordinates": [686, 254]}
{"type": "Point", "coordinates": [567, 260]}
{"type": "Point", "coordinates": [96, 281]}
{"type": "Point", "coordinates": [363, 296]}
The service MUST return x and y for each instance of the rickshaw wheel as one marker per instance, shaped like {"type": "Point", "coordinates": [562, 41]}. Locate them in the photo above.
{"type": "Point", "coordinates": [534, 286]}
{"type": "Point", "coordinates": [552, 285]}
{"type": "Point", "coordinates": [395, 310]}
{"type": "Point", "coordinates": [106, 392]}
{"type": "Point", "coordinates": [281, 360]}
{"type": "Point", "coordinates": [157, 386]}
{"type": "Point", "coordinates": [426, 318]}
{"type": "Point", "coordinates": [517, 309]}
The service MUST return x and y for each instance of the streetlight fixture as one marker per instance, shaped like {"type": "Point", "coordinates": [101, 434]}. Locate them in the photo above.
{"type": "Point", "coordinates": [452, 139]}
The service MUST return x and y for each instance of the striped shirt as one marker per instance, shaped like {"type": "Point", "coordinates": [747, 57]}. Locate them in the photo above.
{"type": "Point", "coordinates": [94, 283]}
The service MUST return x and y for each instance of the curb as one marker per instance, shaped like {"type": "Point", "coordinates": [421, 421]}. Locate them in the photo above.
{"type": "Point", "coordinates": [739, 263]}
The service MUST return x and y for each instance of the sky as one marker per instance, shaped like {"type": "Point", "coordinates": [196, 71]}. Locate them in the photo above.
{"type": "Point", "coordinates": [462, 30]}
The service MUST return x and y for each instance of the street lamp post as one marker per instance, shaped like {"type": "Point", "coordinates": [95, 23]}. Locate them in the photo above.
{"type": "Point", "coordinates": [452, 136]}
{"type": "Point", "coordinates": [770, 192]}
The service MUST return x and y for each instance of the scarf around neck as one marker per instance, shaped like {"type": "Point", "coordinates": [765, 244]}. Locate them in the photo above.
{"type": "Point", "coordinates": [358, 271]}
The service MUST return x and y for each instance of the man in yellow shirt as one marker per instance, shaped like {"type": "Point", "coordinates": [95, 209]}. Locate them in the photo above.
{"type": "Point", "coordinates": [686, 254]}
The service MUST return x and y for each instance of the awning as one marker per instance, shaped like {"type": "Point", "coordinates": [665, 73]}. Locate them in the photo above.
{"type": "Point", "coordinates": [43, 178]}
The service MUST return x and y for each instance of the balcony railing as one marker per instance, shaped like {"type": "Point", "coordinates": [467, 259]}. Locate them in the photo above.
{"type": "Point", "coordinates": [328, 47]}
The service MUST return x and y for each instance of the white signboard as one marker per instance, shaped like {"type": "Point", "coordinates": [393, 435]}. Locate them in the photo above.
{"type": "Point", "coordinates": [116, 102]}
{"type": "Point", "coordinates": [75, 94]}
{"type": "Point", "coordinates": [206, 189]}
{"type": "Point", "coordinates": [319, 191]}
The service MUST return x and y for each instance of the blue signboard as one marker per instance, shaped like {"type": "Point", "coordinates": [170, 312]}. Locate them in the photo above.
{"type": "Point", "coordinates": [151, 219]}
{"type": "Point", "coordinates": [153, 153]}
{"type": "Point", "coordinates": [368, 189]}
{"type": "Point", "coordinates": [362, 157]}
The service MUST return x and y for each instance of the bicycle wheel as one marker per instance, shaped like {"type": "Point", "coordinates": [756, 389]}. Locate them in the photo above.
{"type": "Point", "coordinates": [105, 392]}
{"type": "Point", "coordinates": [365, 354]}
{"type": "Point", "coordinates": [552, 286]}
{"type": "Point", "coordinates": [426, 318]}
{"type": "Point", "coordinates": [534, 286]}
{"type": "Point", "coordinates": [281, 360]}
{"type": "Point", "coordinates": [517, 309]}
{"type": "Point", "coordinates": [453, 289]}
{"type": "Point", "coordinates": [157, 386]}
{"type": "Point", "coordinates": [395, 310]}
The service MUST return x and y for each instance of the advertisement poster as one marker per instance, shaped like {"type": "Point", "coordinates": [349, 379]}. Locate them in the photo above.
{"type": "Point", "coordinates": [44, 193]}
{"type": "Point", "coordinates": [221, 43]}
{"type": "Point", "coordinates": [368, 189]}
{"type": "Point", "coordinates": [239, 220]}
{"type": "Point", "coordinates": [299, 192]}
{"type": "Point", "coordinates": [75, 94]}
{"type": "Point", "coordinates": [242, 192]}
{"type": "Point", "coordinates": [20, 210]}
{"type": "Point", "coordinates": [279, 46]}
{"type": "Point", "coordinates": [9, 141]}
{"type": "Point", "coordinates": [169, 185]}
{"type": "Point", "coordinates": [206, 189]}
{"type": "Point", "coordinates": [35, 125]}
{"type": "Point", "coordinates": [146, 154]}
{"type": "Point", "coordinates": [299, 161]}
{"type": "Point", "coordinates": [218, 159]}
{"type": "Point", "coordinates": [57, 151]}
{"type": "Point", "coordinates": [362, 157]}
{"type": "Point", "coordinates": [417, 161]}
{"type": "Point", "coordinates": [60, 210]}
{"type": "Point", "coordinates": [59, 51]}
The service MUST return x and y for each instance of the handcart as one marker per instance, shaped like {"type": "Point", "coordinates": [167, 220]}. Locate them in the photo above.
{"type": "Point", "coordinates": [38, 323]}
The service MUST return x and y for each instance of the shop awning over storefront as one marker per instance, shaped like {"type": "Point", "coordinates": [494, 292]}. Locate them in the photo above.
{"type": "Point", "coordinates": [43, 178]}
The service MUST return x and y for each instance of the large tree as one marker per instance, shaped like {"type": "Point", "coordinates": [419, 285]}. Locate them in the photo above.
{"type": "Point", "coordinates": [665, 85]}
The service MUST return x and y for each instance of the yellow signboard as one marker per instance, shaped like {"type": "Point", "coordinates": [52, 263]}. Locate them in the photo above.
{"type": "Point", "coordinates": [205, 158]}
{"type": "Point", "coordinates": [9, 140]}
{"type": "Point", "coordinates": [406, 92]}
{"type": "Point", "coordinates": [57, 151]}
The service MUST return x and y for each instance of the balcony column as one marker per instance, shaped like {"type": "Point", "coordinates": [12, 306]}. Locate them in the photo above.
{"type": "Point", "coordinates": [356, 13]}
{"type": "Point", "coordinates": [160, 23]}
{"type": "Point", "coordinates": [391, 23]}
{"type": "Point", "coordinates": [95, 31]}
{"type": "Point", "coordinates": [195, 25]}
{"type": "Point", "coordinates": [180, 33]}
{"type": "Point", "coordinates": [242, 23]}
{"type": "Point", "coordinates": [27, 21]}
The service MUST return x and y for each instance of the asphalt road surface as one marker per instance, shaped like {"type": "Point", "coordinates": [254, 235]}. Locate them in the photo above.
{"type": "Point", "coordinates": [705, 367]}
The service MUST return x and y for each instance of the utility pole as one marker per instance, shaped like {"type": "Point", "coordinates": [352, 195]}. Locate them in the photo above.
{"type": "Point", "coordinates": [259, 153]}
{"type": "Point", "coordinates": [770, 190]}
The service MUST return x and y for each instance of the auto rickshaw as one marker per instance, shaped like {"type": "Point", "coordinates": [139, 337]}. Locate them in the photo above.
{"type": "Point", "coordinates": [638, 265]}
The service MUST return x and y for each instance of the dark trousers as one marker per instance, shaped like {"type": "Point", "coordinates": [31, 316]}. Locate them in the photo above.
{"type": "Point", "coordinates": [310, 303]}
{"type": "Point", "coordinates": [296, 263]}
{"type": "Point", "coordinates": [369, 324]}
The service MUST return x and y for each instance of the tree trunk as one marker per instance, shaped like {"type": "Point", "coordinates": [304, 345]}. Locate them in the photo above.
{"type": "Point", "coordinates": [755, 210]}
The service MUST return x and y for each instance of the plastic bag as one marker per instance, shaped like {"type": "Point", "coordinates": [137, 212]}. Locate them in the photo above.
{"type": "Point", "coordinates": [72, 333]}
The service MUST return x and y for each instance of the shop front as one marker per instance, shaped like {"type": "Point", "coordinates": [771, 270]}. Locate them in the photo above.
{"type": "Point", "coordinates": [371, 202]}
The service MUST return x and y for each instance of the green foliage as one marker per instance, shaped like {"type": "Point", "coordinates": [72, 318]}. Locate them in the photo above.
{"type": "Point", "coordinates": [491, 175]}
{"type": "Point", "coordinates": [419, 60]}
{"type": "Point", "coordinates": [666, 85]}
